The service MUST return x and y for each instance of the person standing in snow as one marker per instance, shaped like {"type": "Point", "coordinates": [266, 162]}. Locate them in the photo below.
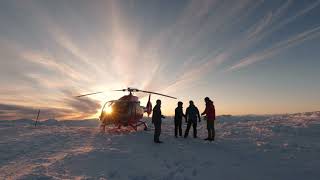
{"type": "Point", "coordinates": [210, 112]}
{"type": "Point", "coordinates": [192, 115]}
{"type": "Point", "coordinates": [156, 120]}
{"type": "Point", "coordinates": [178, 115]}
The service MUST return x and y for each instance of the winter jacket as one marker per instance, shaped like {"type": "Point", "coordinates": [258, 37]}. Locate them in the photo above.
{"type": "Point", "coordinates": [178, 114]}
{"type": "Point", "coordinates": [210, 111]}
{"type": "Point", "coordinates": [192, 113]}
{"type": "Point", "coordinates": [156, 115]}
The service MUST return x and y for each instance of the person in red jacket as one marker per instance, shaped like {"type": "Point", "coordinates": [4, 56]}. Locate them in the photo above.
{"type": "Point", "coordinates": [210, 112]}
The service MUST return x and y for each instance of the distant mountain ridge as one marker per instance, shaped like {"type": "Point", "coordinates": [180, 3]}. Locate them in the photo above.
{"type": "Point", "coordinates": [54, 122]}
{"type": "Point", "coordinates": [95, 122]}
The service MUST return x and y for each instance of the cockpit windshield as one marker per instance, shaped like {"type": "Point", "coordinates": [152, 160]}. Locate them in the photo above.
{"type": "Point", "coordinates": [120, 106]}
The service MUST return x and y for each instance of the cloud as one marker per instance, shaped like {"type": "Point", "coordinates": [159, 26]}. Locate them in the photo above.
{"type": "Point", "coordinates": [277, 48]}
{"type": "Point", "coordinates": [48, 62]}
{"type": "Point", "coordinates": [214, 16]}
{"type": "Point", "coordinates": [11, 112]}
{"type": "Point", "coordinates": [298, 14]}
{"type": "Point", "coordinates": [196, 21]}
{"type": "Point", "coordinates": [266, 26]}
{"type": "Point", "coordinates": [82, 105]}
{"type": "Point", "coordinates": [67, 53]}
{"type": "Point", "coordinates": [193, 74]}
{"type": "Point", "coordinates": [75, 109]}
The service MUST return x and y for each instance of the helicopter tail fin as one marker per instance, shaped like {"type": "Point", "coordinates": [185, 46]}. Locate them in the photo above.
{"type": "Point", "coordinates": [149, 106]}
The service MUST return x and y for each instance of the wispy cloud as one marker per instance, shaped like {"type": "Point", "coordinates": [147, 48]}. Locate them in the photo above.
{"type": "Point", "coordinates": [277, 48]}
{"type": "Point", "coordinates": [12, 112]}
{"type": "Point", "coordinates": [49, 63]}
{"type": "Point", "coordinates": [265, 25]}
{"type": "Point", "coordinates": [70, 108]}
{"type": "Point", "coordinates": [268, 24]}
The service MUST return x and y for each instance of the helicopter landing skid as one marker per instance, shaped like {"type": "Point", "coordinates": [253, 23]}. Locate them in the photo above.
{"type": "Point", "coordinates": [139, 123]}
{"type": "Point", "coordinates": [144, 124]}
{"type": "Point", "coordinates": [118, 127]}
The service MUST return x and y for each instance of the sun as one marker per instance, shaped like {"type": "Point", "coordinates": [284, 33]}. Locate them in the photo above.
{"type": "Point", "coordinates": [108, 110]}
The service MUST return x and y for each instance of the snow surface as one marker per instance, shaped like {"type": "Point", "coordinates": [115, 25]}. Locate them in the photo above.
{"type": "Point", "coordinates": [247, 147]}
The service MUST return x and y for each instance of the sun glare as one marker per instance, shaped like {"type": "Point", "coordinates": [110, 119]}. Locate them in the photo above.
{"type": "Point", "coordinates": [108, 110]}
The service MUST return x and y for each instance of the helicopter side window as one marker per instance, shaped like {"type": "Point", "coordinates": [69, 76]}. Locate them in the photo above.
{"type": "Point", "coordinates": [136, 108]}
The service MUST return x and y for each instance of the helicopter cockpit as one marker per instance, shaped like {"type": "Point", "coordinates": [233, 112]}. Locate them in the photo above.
{"type": "Point", "coordinates": [120, 111]}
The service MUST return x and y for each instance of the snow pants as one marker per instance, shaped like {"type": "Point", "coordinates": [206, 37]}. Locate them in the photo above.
{"type": "Point", "coordinates": [177, 127]}
{"type": "Point", "coordinates": [157, 132]}
{"type": "Point", "coordinates": [211, 129]}
{"type": "Point", "coordinates": [194, 125]}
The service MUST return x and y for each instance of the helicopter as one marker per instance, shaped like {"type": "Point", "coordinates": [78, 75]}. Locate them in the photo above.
{"type": "Point", "coordinates": [125, 111]}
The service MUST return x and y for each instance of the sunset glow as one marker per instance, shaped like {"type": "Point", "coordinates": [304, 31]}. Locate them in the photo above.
{"type": "Point", "coordinates": [249, 56]}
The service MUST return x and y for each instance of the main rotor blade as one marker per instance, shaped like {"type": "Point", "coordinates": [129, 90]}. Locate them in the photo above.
{"type": "Point", "coordinates": [90, 94]}
{"type": "Point", "coordinates": [156, 93]}
{"type": "Point", "coordinates": [120, 90]}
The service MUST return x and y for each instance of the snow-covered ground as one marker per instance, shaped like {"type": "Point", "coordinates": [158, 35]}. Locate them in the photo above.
{"type": "Point", "coordinates": [247, 147]}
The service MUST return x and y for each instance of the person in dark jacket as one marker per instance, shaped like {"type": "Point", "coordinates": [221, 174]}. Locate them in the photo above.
{"type": "Point", "coordinates": [178, 115]}
{"type": "Point", "coordinates": [192, 115]}
{"type": "Point", "coordinates": [210, 112]}
{"type": "Point", "coordinates": [156, 120]}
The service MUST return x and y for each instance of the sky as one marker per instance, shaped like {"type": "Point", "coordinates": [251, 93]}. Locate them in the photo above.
{"type": "Point", "coordinates": [248, 56]}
